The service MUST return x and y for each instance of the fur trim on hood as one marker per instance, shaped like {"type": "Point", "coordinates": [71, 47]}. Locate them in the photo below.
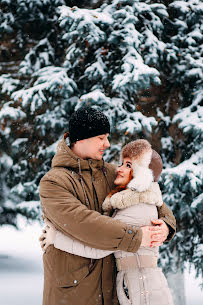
{"type": "Point", "coordinates": [126, 198]}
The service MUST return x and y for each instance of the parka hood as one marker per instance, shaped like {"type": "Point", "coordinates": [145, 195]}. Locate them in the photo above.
{"type": "Point", "coordinates": [65, 157]}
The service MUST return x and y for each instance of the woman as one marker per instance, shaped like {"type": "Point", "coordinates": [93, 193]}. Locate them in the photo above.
{"type": "Point", "coordinates": [135, 201]}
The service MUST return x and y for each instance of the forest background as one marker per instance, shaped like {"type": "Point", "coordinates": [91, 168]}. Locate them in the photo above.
{"type": "Point", "coordinates": [138, 61]}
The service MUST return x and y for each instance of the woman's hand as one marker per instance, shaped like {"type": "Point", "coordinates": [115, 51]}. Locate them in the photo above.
{"type": "Point", "coordinates": [48, 235]}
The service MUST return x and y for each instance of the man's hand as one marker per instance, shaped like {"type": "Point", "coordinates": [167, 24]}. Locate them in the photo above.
{"type": "Point", "coordinates": [154, 236]}
{"type": "Point", "coordinates": [161, 237]}
{"type": "Point", "coordinates": [48, 235]}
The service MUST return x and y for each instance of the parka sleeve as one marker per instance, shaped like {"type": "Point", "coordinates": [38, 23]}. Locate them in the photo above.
{"type": "Point", "coordinates": [167, 216]}
{"type": "Point", "coordinates": [67, 244]}
{"type": "Point", "coordinates": [75, 220]}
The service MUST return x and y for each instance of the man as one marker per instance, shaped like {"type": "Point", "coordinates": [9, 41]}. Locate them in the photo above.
{"type": "Point", "coordinates": [72, 193]}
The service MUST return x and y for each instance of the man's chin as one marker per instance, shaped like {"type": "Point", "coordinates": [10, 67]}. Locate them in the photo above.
{"type": "Point", "coordinates": [116, 182]}
{"type": "Point", "coordinates": [98, 158]}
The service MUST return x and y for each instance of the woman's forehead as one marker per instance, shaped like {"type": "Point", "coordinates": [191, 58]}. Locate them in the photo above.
{"type": "Point", "coordinates": [127, 160]}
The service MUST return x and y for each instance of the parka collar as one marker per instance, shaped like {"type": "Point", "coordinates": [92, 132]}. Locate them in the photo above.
{"type": "Point", "coordinates": [65, 157]}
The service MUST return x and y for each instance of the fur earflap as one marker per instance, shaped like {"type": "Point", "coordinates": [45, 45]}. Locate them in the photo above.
{"type": "Point", "coordinates": [142, 178]}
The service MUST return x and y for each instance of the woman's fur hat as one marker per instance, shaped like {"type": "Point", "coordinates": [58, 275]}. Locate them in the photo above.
{"type": "Point", "coordinates": [146, 164]}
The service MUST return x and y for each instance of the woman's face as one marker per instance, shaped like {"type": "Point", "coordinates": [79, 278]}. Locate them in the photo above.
{"type": "Point", "coordinates": [123, 172]}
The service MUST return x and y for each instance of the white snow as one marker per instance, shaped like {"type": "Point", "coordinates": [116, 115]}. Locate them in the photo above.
{"type": "Point", "coordinates": [198, 200]}
{"type": "Point", "coordinates": [167, 143]}
{"type": "Point", "coordinates": [8, 84]}
{"type": "Point", "coordinates": [42, 54]}
{"type": "Point", "coordinates": [95, 95]}
{"type": "Point", "coordinates": [21, 280]}
{"type": "Point", "coordinates": [193, 164]}
{"type": "Point", "coordinates": [19, 141]}
{"type": "Point", "coordinates": [11, 112]}
{"type": "Point", "coordinates": [81, 20]}
{"type": "Point", "coordinates": [88, 15]}
{"type": "Point", "coordinates": [6, 161]}
{"type": "Point", "coordinates": [48, 79]}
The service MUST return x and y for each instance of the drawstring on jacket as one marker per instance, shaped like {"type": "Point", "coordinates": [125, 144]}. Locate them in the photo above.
{"type": "Point", "coordinates": [104, 170]}
{"type": "Point", "coordinates": [92, 261]}
{"type": "Point", "coordinates": [82, 183]}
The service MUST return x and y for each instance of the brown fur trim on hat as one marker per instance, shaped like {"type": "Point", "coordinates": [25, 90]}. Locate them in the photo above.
{"type": "Point", "coordinates": [139, 151]}
{"type": "Point", "coordinates": [156, 165]}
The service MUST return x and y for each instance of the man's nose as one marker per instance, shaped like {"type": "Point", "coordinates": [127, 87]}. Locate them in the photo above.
{"type": "Point", "coordinates": [120, 169]}
{"type": "Point", "coordinates": [107, 144]}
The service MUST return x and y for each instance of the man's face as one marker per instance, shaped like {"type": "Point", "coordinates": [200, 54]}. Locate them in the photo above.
{"type": "Point", "coordinates": [93, 148]}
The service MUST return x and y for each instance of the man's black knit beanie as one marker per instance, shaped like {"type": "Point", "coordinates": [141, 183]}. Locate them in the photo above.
{"type": "Point", "coordinates": [87, 122]}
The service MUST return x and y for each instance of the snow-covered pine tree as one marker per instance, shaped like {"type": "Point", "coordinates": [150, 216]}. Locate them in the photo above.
{"type": "Point", "coordinates": [182, 184]}
{"type": "Point", "coordinates": [41, 93]}
{"type": "Point", "coordinates": [138, 61]}
{"type": "Point", "coordinates": [30, 41]}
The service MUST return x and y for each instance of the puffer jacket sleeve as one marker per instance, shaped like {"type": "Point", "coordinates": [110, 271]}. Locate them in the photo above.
{"type": "Point", "coordinates": [67, 244]}
{"type": "Point", "coordinates": [75, 220]}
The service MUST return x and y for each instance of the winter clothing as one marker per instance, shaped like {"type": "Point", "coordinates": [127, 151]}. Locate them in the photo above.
{"type": "Point", "coordinates": [156, 165]}
{"type": "Point", "coordinates": [139, 151]}
{"type": "Point", "coordinates": [134, 150]}
{"type": "Point", "coordinates": [72, 193]}
{"type": "Point", "coordinates": [87, 122]}
{"type": "Point", "coordinates": [126, 198]}
{"type": "Point", "coordinates": [120, 201]}
{"type": "Point", "coordinates": [145, 282]}
{"type": "Point", "coordinates": [137, 206]}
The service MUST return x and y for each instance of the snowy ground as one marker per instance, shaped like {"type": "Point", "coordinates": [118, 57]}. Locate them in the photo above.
{"type": "Point", "coordinates": [21, 272]}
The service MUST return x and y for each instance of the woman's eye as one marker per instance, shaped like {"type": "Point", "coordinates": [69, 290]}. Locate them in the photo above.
{"type": "Point", "coordinates": [128, 165]}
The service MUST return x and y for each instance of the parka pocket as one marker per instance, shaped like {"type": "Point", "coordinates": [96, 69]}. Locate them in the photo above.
{"type": "Point", "coordinates": [69, 270]}
{"type": "Point", "coordinates": [72, 279]}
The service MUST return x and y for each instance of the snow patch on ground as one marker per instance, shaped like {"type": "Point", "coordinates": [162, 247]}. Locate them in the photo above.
{"type": "Point", "coordinates": [21, 270]}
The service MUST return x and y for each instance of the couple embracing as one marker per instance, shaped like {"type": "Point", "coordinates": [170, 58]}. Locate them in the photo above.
{"type": "Point", "coordinates": [104, 224]}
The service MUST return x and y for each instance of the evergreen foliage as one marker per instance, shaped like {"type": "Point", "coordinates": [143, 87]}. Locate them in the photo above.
{"type": "Point", "coordinates": [138, 61]}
